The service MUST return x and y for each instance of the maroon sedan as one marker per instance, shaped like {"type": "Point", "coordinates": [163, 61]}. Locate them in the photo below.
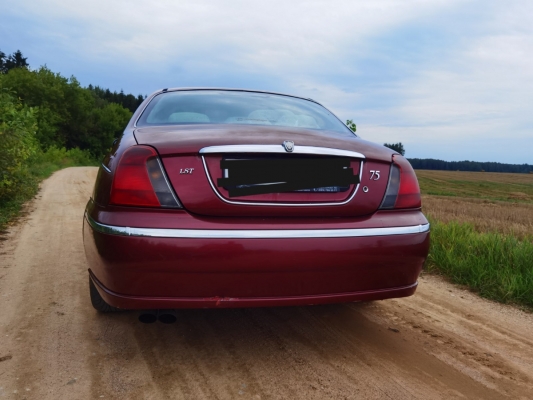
{"type": "Point", "coordinates": [237, 198]}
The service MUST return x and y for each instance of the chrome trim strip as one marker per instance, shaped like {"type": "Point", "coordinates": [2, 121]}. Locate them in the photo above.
{"type": "Point", "coordinates": [253, 203]}
{"type": "Point", "coordinates": [275, 148]}
{"type": "Point", "coordinates": [107, 169]}
{"type": "Point", "coordinates": [254, 234]}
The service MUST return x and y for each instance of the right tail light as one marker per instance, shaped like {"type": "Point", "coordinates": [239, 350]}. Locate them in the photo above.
{"type": "Point", "coordinates": [402, 190]}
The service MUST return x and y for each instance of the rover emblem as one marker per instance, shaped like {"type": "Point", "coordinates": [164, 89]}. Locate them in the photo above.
{"type": "Point", "coordinates": [288, 146]}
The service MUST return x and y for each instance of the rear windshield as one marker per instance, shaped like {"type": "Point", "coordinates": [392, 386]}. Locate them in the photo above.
{"type": "Point", "coordinates": [235, 107]}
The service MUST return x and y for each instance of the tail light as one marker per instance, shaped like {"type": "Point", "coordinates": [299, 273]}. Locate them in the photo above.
{"type": "Point", "coordinates": [403, 190]}
{"type": "Point", "coordinates": [141, 181]}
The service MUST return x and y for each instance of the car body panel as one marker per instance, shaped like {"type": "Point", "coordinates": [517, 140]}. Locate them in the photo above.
{"type": "Point", "coordinates": [189, 139]}
{"type": "Point", "coordinates": [133, 268]}
{"type": "Point", "coordinates": [142, 302]}
{"type": "Point", "coordinates": [190, 269]}
{"type": "Point", "coordinates": [180, 149]}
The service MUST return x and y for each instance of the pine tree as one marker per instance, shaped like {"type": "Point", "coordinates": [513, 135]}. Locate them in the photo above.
{"type": "Point", "coordinates": [396, 147]}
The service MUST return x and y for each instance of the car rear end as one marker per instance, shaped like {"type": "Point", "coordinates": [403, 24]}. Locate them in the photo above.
{"type": "Point", "coordinates": [230, 214]}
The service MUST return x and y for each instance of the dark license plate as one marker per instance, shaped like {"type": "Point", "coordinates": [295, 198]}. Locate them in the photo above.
{"type": "Point", "coordinates": [244, 177]}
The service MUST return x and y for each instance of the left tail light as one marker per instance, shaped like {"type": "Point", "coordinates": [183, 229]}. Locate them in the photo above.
{"type": "Point", "coordinates": [403, 190]}
{"type": "Point", "coordinates": [140, 180]}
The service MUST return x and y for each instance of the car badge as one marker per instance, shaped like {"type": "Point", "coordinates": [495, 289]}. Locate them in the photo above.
{"type": "Point", "coordinates": [288, 146]}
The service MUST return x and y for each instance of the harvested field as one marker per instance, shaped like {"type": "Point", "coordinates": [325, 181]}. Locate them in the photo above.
{"type": "Point", "coordinates": [516, 188]}
{"type": "Point", "coordinates": [491, 202]}
{"type": "Point", "coordinates": [484, 215]}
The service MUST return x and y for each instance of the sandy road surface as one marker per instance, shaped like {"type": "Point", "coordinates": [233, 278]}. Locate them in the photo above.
{"type": "Point", "coordinates": [441, 343]}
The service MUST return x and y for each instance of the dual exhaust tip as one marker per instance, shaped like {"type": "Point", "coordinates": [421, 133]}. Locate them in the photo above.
{"type": "Point", "coordinates": [163, 316]}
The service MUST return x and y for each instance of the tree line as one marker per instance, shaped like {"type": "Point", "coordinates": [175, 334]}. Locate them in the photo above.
{"type": "Point", "coordinates": [128, 101]}
{"type": "Point", "coordinates": [66, 114]}
{"type": "Point", "coordinates": [432, 164]}
{"type": "Point", "coordinates": [474, 166]}
{"type": "Point", "coordinates": [42, 110]}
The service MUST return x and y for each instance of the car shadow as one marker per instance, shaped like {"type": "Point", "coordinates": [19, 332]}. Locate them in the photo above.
{"type": "Point", "coordinates": [219, 336]}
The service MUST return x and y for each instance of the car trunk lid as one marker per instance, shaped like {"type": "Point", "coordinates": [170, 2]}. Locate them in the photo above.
{"type": "Point", "coordinates": [249, 171]}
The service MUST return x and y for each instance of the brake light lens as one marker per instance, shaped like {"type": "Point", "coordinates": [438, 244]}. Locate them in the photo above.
{"type": "Point", "coordinates": [141, 181]}
{"type": "Point", "coordinates": [403, 190]}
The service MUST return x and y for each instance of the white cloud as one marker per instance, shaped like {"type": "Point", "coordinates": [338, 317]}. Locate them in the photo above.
{"type": "Point", "coordinates": [272, 36]}
{"type": "Point", "coordinates": [474, 102]}
{"type": "Point", "coordinates": [462, 75]}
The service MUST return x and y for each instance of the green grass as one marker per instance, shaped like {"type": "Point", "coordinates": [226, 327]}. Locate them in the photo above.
{"type": "Point", "coordinates": [498, 267]}
{"type": "Point", "coordinates": [10, 209]}
{"type": "Point", "coordinates": [40, 167]}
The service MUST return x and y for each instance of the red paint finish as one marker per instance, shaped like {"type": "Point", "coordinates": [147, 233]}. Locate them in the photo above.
{"type": "Point", "coordinates": [188, 270]}
{"type": "Point", "coordinates": [143, 217]}
{"type": "Point", "coordinates": [189, 139]}
{"type": "Point", "coordinates": [148, 272]}
{"type": "Point", "coordinates": [138, 302]}
{"type": "Point", "coordinates": [198, 197]}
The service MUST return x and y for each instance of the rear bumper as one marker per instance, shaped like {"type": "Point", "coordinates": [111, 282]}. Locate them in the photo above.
{"type": "Point", "coordinates": [143, 302]}
{"type": "Point", "coordinates": [222, 265]}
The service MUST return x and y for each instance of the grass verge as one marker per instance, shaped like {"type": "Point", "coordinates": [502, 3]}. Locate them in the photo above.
{"type": "Point", "coordinates": [40, 167]}
{"type": "Point", "coordinates": [498, 267]}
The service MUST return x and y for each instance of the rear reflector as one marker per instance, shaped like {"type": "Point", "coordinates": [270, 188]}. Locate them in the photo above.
{"type": "Point", "coordinates": [140, 180]}
{"type": "Point", "coordinates": [403, 190]}
{"type": "Point", "coordinates": [160, 183]}
{"type": "Point", "coordinates": [393, 187]}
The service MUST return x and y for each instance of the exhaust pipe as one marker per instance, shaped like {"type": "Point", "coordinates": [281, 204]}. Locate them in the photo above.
{"type": "Point", "coordinates": [167, 316]}
{"type": "Point", "coordinates": [148, 316]}
{"type": "Point", "coordinates": [164, 316]}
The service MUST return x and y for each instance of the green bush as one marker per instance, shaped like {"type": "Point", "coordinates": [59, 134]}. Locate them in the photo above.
{"type": "Point", "coordinates": [17, 142]}
{"type": "Point", "coordinates": [43, 164]}
{"type": "Point", "coordinates": [39, 166]}
{"type": "Point", "coordinates": [62, 157]}
{"type": "Point", "coordinates": [67, 115]}
{"type": "Point", "coordinates": [45, 119]}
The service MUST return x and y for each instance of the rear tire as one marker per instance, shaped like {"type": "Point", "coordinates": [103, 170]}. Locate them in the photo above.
{"type": "Point", "coordinates": [98, 302]}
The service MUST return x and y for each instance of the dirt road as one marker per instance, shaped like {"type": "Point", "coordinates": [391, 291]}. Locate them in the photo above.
{"type": "Point", "coordinates": [442, 343]}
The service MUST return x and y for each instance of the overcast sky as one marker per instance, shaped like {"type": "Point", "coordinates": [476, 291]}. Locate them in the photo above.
{"type": "Point", "coordinates": [449, 79]}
